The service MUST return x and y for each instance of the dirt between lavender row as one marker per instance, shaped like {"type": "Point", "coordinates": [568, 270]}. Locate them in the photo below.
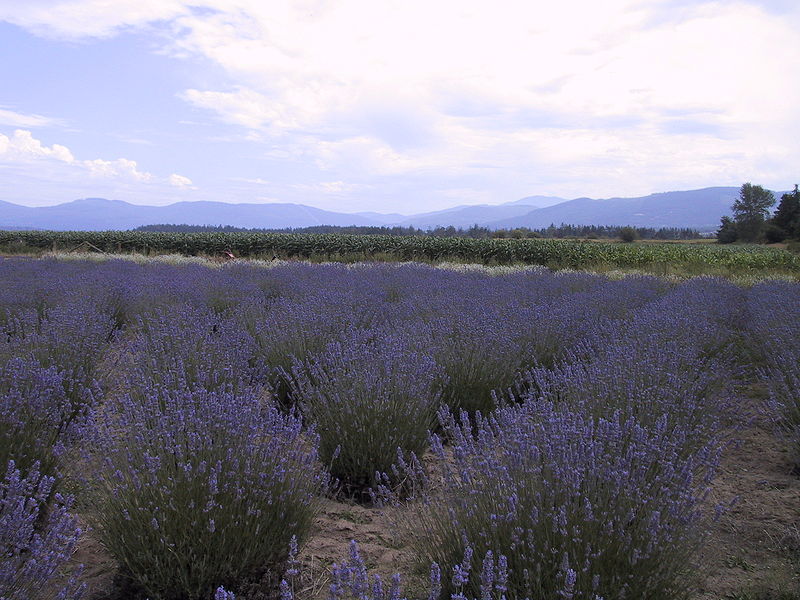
{"type": "Point", "coordinates": [753, 551]}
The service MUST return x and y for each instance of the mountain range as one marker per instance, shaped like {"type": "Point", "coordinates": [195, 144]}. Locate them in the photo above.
{"type": "Point", "coordinates": [698, 209]}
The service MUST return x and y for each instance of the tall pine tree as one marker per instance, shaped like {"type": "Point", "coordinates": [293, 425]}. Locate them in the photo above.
{"type": "Point", "coordinates": [787, 217]}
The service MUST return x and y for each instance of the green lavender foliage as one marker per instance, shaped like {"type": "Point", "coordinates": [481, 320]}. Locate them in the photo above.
{"type": "Point", "coordinates": [201, 488]}
{"type": "Point", "coordinates": [370, 396]}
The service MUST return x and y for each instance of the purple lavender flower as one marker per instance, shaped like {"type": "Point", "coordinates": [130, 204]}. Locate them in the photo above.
{"type": "Point", "coordinates": [37, 538]}
{"type": "Point", "coordinates": [368, 397]}
{"type": "Point", "coordinates": [37, 417]}
{"type": "Point", "coordinates": [201, 488]}
{"type": "Point", "coordinates": [602, 506]}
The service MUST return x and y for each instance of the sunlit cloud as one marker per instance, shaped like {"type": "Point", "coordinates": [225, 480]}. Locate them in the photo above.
{"type": "Point", "coordinates": [622, 97]}
{"type": "Point", "coordinates": [179, 180]}
{"type": "Point", "coordinates": [22, 146]}
{"type": "Point", "coordinates": [34, 162]}
{"type": "Point", "coordinates": [76, 19]}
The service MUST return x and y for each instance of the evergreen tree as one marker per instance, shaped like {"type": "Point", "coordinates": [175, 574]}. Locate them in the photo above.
{"type": "Point", "coordinates": [787, 217]}
{"type": "Point", "coordinates": [726, 234]}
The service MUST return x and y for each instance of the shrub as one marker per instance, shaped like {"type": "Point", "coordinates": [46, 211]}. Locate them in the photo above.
{"type": "Point", "coordinates": [628, 234]}
{"type": "Point", "coordinates": [367, 397]}
{"type": "Point", "coordinates": [292, 330]}
{"type": "Point", "coordinates": [597, 507]}
{"type": "Point", "coordinates": [782, 375]}
{"type": "Point", "coordinates": [669, 357]}
{"type": "Point", "coordinates": [187, 347]}
{"type": "Point", "coordinates": [37, 538]}
{"type": "Point", "coordinates": [774, 336]}
{"type": "Point", "coordinates": [646, 382]}
{"type": "Point", "coordinates": [70, 337]}
{"type": "Point", "coordinates": [38, 419]}
{"type": "Point", "coordinates": [478, 354]}
{"type": "Point", "coordinates": [200, 489]}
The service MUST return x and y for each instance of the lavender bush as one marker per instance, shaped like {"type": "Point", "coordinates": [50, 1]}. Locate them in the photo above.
{"type": "Point", "coordinates": [783, 378]}
{"type": "Point", "coordinates": [201, 488]}
{"type": "Point", "coordinates": [38, 420]}
{"type": "Point", "coordinates": [589, 507]}
{"type": "Point", "coordinates": [641, 379]}
{"type": "Point", "coordinates": [478, 355]}
{"type": "Point", "coordinates": [368, 396]}
{"type": "Point", "coordinates": [775, 345]}
{"type": "Point", "coordinates": [293, 330]}
{"type": "Point", "coordinates": [70, 337]}
{"type": "Point", "coordinates": [37, 538]}
{"type": "Point", "coordinates": [186, 347]}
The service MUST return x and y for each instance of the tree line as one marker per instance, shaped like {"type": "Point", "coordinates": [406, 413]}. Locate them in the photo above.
{"type": "Point", "coordinates": [751, 220]}
{"type": "Point", "coordinates": [625, 233]}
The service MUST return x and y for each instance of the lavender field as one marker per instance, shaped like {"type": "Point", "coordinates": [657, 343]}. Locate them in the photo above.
{"type": "Point", "coordinates": [183, 432]}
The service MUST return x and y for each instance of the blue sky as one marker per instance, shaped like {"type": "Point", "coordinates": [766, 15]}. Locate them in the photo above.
{"type": "Point", "coordinates": [394, 106]}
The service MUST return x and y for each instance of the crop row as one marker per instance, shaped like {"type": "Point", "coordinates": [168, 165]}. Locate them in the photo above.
{"type": "Point", "coordinates": [572, 424]}
{"type": "Point", "coordinates": [559, 253]}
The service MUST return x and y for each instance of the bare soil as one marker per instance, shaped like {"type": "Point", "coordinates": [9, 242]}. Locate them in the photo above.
{"type": "Point", "coordinates": [753, 552]}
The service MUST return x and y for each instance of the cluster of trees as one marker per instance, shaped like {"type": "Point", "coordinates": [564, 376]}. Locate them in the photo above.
{"type": "Point", "coordinates": [475, 232]}
{"type": "Point", "coordinates": [751, 221]}
{"type": "Point", "coordinates": [626, 233]}
{"type": "Point", "coordinates": [349, 230]}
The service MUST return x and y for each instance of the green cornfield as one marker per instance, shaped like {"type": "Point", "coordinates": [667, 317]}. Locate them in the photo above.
{"type": "Point", "coordinates": [552, 253]}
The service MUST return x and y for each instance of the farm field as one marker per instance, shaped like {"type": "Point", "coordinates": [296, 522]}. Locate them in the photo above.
{"type": "Point", "coordinates": [683, 259]}
{"type": "Point", "coordinates": [178, 429]}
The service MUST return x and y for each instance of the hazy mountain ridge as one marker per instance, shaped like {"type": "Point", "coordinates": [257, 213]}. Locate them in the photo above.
{"type": "Point", "coordinates": [699, 209]}
{"type": "Point", "coordinates": [99, 214]}
{"type": "Point", "coordinates": [691, 209]}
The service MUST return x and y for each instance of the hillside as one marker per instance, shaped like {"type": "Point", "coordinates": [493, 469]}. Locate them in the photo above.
{"type": "Point", "coordinates": [698, 209]}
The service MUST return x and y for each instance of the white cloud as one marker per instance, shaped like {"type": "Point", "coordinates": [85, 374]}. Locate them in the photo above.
{"type": "Point", "coordinates": [121, 167]}
{"type": "Point", "coordinates": [595, 74]}
{"type": "Point", "coordinates": [253, 180]}
{"type": "Point", "coordinates": [74, 19]}
{"type": "Point", "coordinates": [22, 149]}
{"type": "Point", "coordinates": [179, 180]}
{"type": "Point", "coordinates": [23, 146]}
{"type": "Point", "coordinates": [241, 107]}
{"type": "Point", "coordinates": [603, 98]}
{"type": "Point", "coordinates": [15, 119]}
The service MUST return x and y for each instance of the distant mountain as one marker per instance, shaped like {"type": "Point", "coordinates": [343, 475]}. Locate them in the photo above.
{"type": "Point", "coordinates": [699, 209]}
{"type": "Point", "coordinates": [381, 218]}
{"type": "Point", "coordinates": [538, 201]}
{"type": "Point", "coordinates": [98, 214]}
{"type": "Point", "coordinates": [480, 214]}
{"type": "Point", "coordinates": [466, 216]}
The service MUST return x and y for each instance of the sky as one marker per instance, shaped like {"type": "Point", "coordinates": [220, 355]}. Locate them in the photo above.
{"type": "Point", "coordinates": [394, 106]}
